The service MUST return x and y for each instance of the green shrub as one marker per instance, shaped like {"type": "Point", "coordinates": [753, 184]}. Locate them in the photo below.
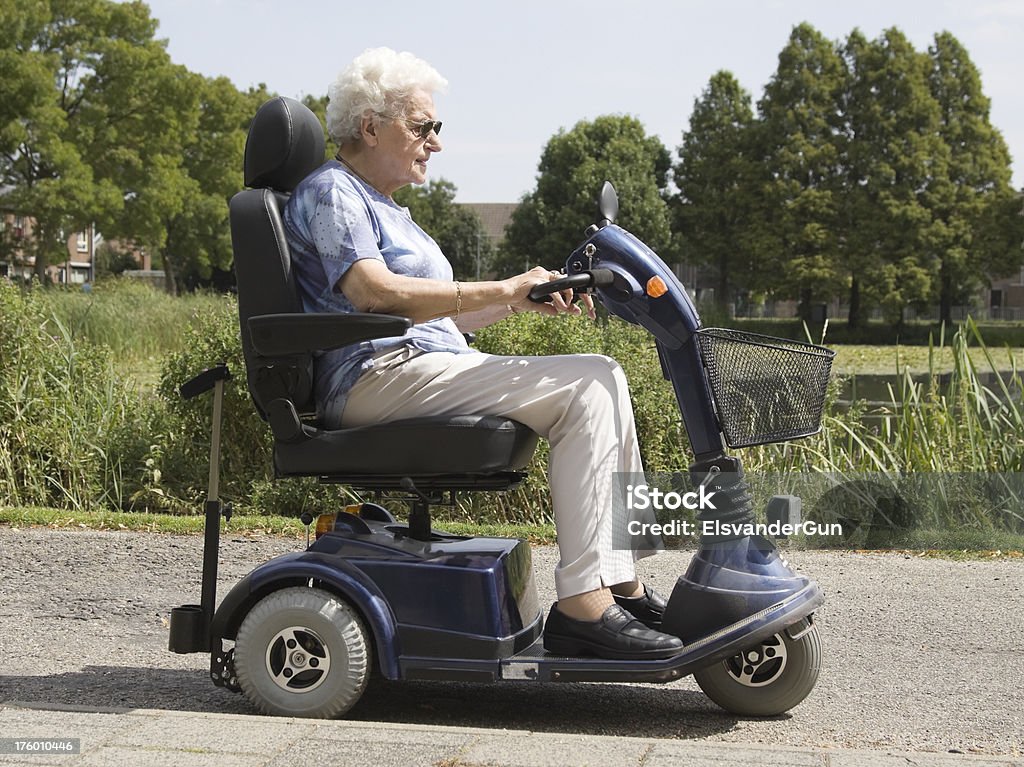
{"type": "Point", "coordinates": [77, 433]}
{"type": "Point", "coordinates": [183, 430]}
{"type": "Point", "coordinates": [210, 338]}
{"type": "Point", "coordinates": [663, 441]}
{"type": "Point", "coordinates": [654, 406]}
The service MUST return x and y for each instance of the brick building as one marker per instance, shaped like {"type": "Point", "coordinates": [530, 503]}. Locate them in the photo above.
{"type": "Point", "coordinates": [17, 262]}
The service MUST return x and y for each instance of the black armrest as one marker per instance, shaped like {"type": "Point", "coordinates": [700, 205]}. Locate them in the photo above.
{"type": "Point", "coordinates": [204, 381]}
{"type": "Point", "coordinates": [283, 334]}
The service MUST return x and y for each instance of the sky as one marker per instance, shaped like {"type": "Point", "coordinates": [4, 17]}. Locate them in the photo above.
{"type": "Point", "coordinates": [521, 70]}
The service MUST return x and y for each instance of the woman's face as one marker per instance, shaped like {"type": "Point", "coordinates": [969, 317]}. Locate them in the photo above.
{"type": "Point", "coordinates": [403, 155]}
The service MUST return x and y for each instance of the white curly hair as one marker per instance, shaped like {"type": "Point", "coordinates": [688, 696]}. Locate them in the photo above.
{"type": "Point", "coordinates": [378, 82]}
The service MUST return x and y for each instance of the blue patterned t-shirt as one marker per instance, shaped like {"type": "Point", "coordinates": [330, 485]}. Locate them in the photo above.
{"type": "Point", "coordinates": [332, 220]}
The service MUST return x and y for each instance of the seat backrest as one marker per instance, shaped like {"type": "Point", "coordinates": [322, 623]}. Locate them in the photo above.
{"type": "Point", "coordinates": [284, 145]}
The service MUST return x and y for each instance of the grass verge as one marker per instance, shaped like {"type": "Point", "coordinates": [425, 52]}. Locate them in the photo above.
{"type": "Point", "coordinates": [943, 544]}
{"type": "Point", "coordinates": [890, 360]}
{"type": "Point", "coordinates": [240, 524]}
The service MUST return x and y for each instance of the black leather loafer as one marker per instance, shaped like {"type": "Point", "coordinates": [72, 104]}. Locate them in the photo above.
{"type": "Point", "coordinates": [648, 609]}
{"type": "Point", "coordinates": [617, 635]}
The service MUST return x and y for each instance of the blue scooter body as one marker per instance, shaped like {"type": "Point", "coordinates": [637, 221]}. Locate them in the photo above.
{"type": "Point", "coordinates": [466, 609]}
{"type": "Point", "coordinates": [671, 318]}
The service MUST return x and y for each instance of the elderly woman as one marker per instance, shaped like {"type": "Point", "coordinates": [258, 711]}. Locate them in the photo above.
{"type": "Point", "coordinates": [355, 249]}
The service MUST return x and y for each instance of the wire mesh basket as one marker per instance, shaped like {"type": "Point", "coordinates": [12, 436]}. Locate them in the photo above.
{"type": "Point", "coordinates": [766, 389]}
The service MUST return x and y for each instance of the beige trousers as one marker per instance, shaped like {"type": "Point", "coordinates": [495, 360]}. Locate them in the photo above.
{"type": "Point", "coordinates": [579, 403]}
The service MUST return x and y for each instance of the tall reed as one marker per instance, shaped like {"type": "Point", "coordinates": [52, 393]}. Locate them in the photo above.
{"type": "Point", "coordinates": [950, 447]}
{"type": "Point", "coordinates": [71, 429]}
{"type": "Point", "coordinates": [131, 318]}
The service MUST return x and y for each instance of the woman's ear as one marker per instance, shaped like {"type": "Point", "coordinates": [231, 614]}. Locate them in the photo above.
{"type": "Point", "coordinates": [368, 130]}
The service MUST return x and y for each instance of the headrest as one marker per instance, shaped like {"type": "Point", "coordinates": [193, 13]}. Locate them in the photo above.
{"type": "Point", "coordinates": [285, 144]}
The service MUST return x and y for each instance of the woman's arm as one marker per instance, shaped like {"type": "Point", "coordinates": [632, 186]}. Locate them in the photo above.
{"type": "Point", "coordinates": [371, 287]}
{"type": "Point", "coordinates": [481, 318]}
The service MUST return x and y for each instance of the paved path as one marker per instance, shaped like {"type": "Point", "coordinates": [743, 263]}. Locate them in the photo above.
{"type": "Point", "coordinates": [923, 663]}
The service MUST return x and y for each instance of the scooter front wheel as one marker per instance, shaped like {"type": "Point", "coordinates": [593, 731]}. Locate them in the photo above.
{"type": "Point", "coordinates": [769, 678]}
{"type": "Point", "coordinates": [302, 652]}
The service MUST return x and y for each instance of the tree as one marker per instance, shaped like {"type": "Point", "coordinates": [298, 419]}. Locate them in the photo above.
{"type": "Point", "coordinates": [318, 106]}
{"type": "Point", "coordinates": [715, 176]}
{"type": "Point", "coordinates": [92, 115]}
{"type": "Point", "coordinates": [799, 140]}
{"type": "Point", "coordinates": [999, 232]}
{"type": "Point", "coordinates": [550, 221]}
{"type": "Point", "coordinates": [976, 183]}
{"type": "Point", "coordinates": [872, 169]}
{"type": "Point", "coordinates": [896, 165]}
{"type": "Point", "coordinates": [40, 166]}
{"type": "Point", "coordinates": [456, 229]}
{"type": "Point", "coordinates": [198, 237]}
{"type": "Point", "coordinates": [111, 259]}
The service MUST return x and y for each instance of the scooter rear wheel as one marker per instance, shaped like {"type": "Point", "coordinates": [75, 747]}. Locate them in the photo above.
{"type": "Point", "coordinates": [302, 652]}
{"type": "Point", "coordinates": [769, 678]}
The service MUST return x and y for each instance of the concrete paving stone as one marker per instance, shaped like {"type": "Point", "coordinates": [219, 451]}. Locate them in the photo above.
{"type": "Point", "coordinates": [228, 735]}
{"type": "Point", "coordinates": [352, 753]}
{"type": "Point", "coordinates": [546, 750]}
{"type": "Point", "coordinates": [118, 756]}
{"type": "Point", "coordinates": [341, 730]}
{"type": "Point", "coordinates": [706, 754]}
{"type": "Point", "coordinates": [6, 760]}
{"type": "Point", "coordinates": [15, 721]}
{"type": "Point", "coordinates": [93, 730]}
{"type": "Point", "coordinates": [919, 759]}
{"type": "Point", "coordinates": [154, 738]}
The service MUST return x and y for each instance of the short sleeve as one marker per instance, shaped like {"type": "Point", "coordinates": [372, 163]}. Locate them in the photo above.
{"type": "Point", "coordinates": [343, 230]}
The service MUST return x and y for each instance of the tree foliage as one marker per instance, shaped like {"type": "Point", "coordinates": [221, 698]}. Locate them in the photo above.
{"type": "Point", "coordinates": [97, 125]}
{"type": "Point", "coordinates": [198, 240]}
{"type": "Point", "coordinates": [896, 160]}
{"type": "Point", "coordinates": [871, 173]}
{"type": "Point", "coordinates": [798, 141]}
{"type": "Point", "coordinates": [716, 176]}
{"type": "Point", "coordinates": [550, 221]}
{"type": "Point", "coordinates": [456, 229]}
{"type": "Point", "coordinates": [92, 119]}
{"type": "Point", "coordinates": [976, 182]}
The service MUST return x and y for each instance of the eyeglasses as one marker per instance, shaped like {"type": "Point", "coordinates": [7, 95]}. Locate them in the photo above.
{"type": "Point", "coordinates": [424, 129]}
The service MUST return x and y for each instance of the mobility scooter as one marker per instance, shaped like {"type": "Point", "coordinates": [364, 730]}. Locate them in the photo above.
{"type": "Point", "coordinates": [301, 634]}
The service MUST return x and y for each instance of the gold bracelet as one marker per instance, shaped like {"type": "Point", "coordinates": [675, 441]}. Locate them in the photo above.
{"type": "Point", "coordinates": [458, 299]}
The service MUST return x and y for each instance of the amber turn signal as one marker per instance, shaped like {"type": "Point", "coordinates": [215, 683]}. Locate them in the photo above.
{"type": "Point", "coordinates": [656, 287]}
{"type": "Point", "coordinates": [324, 524]}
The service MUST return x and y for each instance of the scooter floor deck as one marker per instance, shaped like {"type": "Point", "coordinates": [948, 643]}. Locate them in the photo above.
{"type": "Point", "coordinates": [535, 664]}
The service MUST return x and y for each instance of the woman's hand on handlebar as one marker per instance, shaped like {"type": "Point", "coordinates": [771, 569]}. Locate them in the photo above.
{"type": "Point", "coordinates": [561, 301]}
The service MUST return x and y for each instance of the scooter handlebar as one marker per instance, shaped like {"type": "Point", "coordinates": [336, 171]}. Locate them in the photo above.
{"type": "Point", "coordinates": [595, 278]}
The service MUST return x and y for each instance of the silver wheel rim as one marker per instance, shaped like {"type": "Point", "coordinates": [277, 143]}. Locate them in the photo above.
{"type": "Point", "coordinates": [759, 666]}
{"type": "Point", "coordinates": [298, 659]}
